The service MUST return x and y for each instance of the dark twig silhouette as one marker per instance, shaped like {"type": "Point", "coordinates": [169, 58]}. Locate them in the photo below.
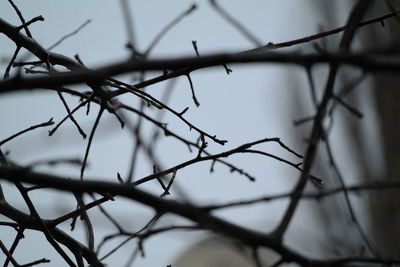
{"type": "Point", "coordinates": [52, 72]}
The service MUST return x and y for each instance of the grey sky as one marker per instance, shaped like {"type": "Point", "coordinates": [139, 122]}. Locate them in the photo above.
{"type": "Point", "coordinates": [247, 105]}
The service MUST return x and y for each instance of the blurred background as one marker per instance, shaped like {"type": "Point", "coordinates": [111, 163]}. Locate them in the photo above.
{"type": "Point", "coordinates": [253, 102]}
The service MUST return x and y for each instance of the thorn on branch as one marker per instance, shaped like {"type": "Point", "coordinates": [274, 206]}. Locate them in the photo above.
{"type": "Point", "coordinates": [150, 103]}
{"type": "Point", "coordinates": [228, 70]}
{"type": "Point", "coordinates": [194, 43]}
{"type": "Point", "coordinates": [167, 132]}
{"type": "Point", "coordinates": [212, 166]}
{"type": "Point", "coordinates": [78, 58]}
{"type": "Point", "coordinates": [191, 9]}
{"type": "Point", "coordinates": [88, 108]}
{"type": "Point", "coordinates": [184, 111]}
{"type": "Point", "coordinates": [120, 178]}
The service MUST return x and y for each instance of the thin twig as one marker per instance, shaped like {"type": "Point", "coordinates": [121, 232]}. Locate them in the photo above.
{"type": "Point", "coordinates": [70, 114]}
{"type": "Point", "coordinates": [168, 27]}
{"type": "Point", "coordinates": [347, 198]}
{"type": "Point", "coordinates": [88, 99]}
{"type": "Point", "coordinates": [69, 35]}
{"type": "Point", "coordinates": [145, 95]}
{"type": "Point", "coordinates": [8, 254]}
{"type": "Point", "coordinates": [365, 187]}
{"type": "Point", "coordinates": [148, 225]}
{"type": "Point", "coordinates": [204, 219]}
{"type": "Point", "coordinates": [88, 223]}
{"type": "Point", "coordinates": [33, 47]}
{"type": "Point", "coordinates": [240, 149]}
{"type": "Point", "coordinates": [96, 123]}
{"type": "Point", "coordinates": [192, 90]}
{"type": "Point", "coordinates": [317, 130]}
{"type": "Point", "coordinates": [320, 35]}
{"type": "Point", "coordinates": [28, 33]}
{"type": "Point", "coordinates": [18, 237]}
{"type": "Point", "coordinates": [44, 124]}
{"type": "Point", "coordinates": [7, 72]}
{"type": "Point", "coordinates": [235, 23]}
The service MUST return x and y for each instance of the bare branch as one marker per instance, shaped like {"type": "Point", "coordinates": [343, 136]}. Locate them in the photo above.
{"type": "Point", "coordinates": [44, 124]}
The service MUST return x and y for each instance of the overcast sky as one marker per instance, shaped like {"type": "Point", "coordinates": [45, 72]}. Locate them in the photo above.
{"type": "Point", "coordinates": [250, 104]}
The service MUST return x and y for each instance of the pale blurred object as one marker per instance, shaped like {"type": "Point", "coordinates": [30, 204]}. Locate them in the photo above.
{"type": "Point", "coordinates": [216, 252]}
